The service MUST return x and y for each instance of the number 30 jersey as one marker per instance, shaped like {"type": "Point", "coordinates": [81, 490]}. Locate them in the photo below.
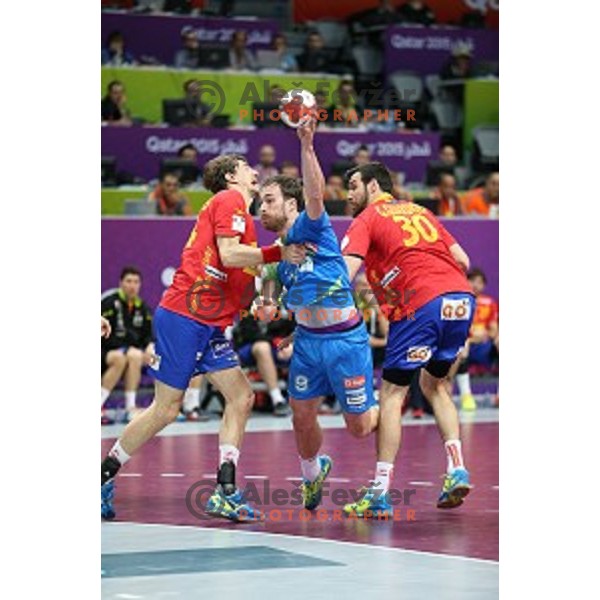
{"type": "Point", "coordinates": [407, 255]}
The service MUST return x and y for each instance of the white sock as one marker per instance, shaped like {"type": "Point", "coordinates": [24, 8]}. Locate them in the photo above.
{"type": "Point", "coordinates": [454, 455]}
{"type": "Point", "coordinates": [228, 453]}
{"type": "Point", "coordinates": [276, 396]}
{"type": "Point", "coordinates": [117, 452]}
{"type": "Point", "coordinates": [191, 400]}
{"type": "Point", "coordinates": [104, 394]}
{"type": "Point", "coordinates": [463, 380]}
{"type": "Point", "coordinates": [130, 400]}
{"type": "Point", "coordinates": [311, 467]}
{"type": "Point", "coordinates": [384, 472]}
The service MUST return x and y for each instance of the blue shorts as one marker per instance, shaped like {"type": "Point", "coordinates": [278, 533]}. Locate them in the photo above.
{"type": "Point", "coordinates": [438, 332]}
{"type": "Point", "coordinates": [184, 348]}
{"type": "Point", "coordinates": [247, 358]}
{"type": "Point", "coordinates": [482, 353]}
{"type": "Point", "coordinates": [340, 364]}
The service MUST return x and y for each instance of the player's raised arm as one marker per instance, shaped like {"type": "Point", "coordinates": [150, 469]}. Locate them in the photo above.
{"type": "Point", "coordinates": [312, 175]}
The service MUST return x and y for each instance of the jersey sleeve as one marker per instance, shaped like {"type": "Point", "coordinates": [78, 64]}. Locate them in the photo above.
{"type": "Point", "coordinates": [357, 240]}
{"type": "Point", "coordinates": [305, 228]}
{"type": "Point", "coordinates": [229, 217]}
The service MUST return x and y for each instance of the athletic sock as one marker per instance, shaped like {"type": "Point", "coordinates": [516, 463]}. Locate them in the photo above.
{"type": "Point", "coordinates": [104, 394]}
{"type": "Point", "coordinates": [115, 459]}
{"type": "Point", "coordinates": [463, 380]}
{"type": "Point", "coordinates": [384, 472]}
{"type": "Point", "coordinates": [130, 400]}
{"type": "Point", "coordinates": [454, 455]}
{"type": "Point", "coordinates": [191, 400]}
{"type": "Point", "coordinates": [276, 396]}
{"type": "Point", "coordinates": [310, 467]}
{"type": "Point", "coordinates": [228, 460]}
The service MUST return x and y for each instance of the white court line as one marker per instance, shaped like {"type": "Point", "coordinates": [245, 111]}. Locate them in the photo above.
{"type": "Point", "coordinates": [310, 539]}
{"type": "Point", "coordinates": [129, 475]}
{"type": "Point", "coordinates": [255, 477]}
{"type": "Point", "coordinates": [293, 478]}
{"type": "Point", "coordinates": [208, 476]}
{"type": "Point", "coordinates": [172, 474]}
{"type": "Point", "coordinates": [421, 483]}
{"type": "Point", "coordinates": [338, 479]}
{"type": "Point", "coordinates": [131, 596]}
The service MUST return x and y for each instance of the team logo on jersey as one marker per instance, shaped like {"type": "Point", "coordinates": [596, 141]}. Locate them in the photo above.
{"type": "Point", "coordinates": [238, 223]}
{"type": "Point", "coordinates": [301, 383]}
{"type": "Point", "coordinates": [418, 354]}
{"type": "Point", "coordinates": [210, 270]}
{"type": "Point", "coordinates": [354, 382]}
{"type": "Point", "coordinates": [456, 310]}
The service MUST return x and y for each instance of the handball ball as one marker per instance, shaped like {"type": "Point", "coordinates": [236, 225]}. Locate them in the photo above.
{"type": "Point", "coordinates": [296, 107]}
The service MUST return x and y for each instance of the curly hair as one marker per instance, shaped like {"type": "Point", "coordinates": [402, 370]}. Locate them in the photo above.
{"type": "Point", "coordinates": [216, 169]}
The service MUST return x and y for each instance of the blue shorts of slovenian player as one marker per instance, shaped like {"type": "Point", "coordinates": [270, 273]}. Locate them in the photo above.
{"type": "Point", "coordinates": [432, 339]}
{"type": "Point", "coordinates": [185, 348]}
{"type": "Point", "coordinates": [336, 363]}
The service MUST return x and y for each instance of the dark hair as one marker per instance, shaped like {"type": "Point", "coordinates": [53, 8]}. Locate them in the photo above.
{"type": "Point", "coordinates": [114, 35]}
{"type": "Point", "coordinates": [362, 148]}
{"type": "Point", "coordinates": [112, 84]}
{"type": "Point", "coordinates": [443, 174]}
{"type": "Point", "coordinates": [170, 173]}
{"type": "Point", "coordinates": [373, 170]}
{"type": "Point", "coordinates": [290, 188]}
{"type": "Point", "coordinates": [129, 270]}
{"type": "Point", "coordinates": [288, 163]}
{"type": "Point", "coordinates": [186, 147]}
{"type": "Point", "coordinates": [475, 272]}
{"type": "Point", "coordinates": [216, 169]}
{"type": "Point", "coordinates": [188, 83]}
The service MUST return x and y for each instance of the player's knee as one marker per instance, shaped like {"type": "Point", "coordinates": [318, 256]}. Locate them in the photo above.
{"type": "Point", "coordinates": [118, 359]}
{"type": "Point", "coordinates": [303, 420]}
{"type": "Point", "coordinates": [261, 349]}
{"type": "Point", "coordinates": [167, 413]}
{"type": "Point", "coordinates": [359, 428]}
{"type": "Point", "coordinates": [246, 402]}
{"type": "Point", "coordinates": [134, 356]}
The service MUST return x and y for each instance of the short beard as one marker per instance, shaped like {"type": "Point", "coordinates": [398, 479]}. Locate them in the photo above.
{"type": "Point", "coordinates": [360, 207]}
{"type": "Point", "coordinates": [275, 224]}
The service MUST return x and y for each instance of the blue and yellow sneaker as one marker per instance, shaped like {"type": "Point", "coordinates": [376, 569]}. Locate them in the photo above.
{"type": "Point", "coordinates": [312, 491]}
{"type": "Point", "coordinates": [371, 505]}
{"type": "Point", "coordinates": [456, 487]}
{"type": "Point", "coordinates": [107, 496]}
{"type": "Point", "coordinates": [232, 507]}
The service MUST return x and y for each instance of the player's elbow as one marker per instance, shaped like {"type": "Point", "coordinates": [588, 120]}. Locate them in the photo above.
{"type": "Point", "coordinates": [226, 256]}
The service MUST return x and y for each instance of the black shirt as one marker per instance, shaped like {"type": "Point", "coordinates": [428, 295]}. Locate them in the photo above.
{"type": "Point", "coordinates": [422, 16]}
{"type": "Point", "coordinates": [110, 110]}
{"type": "Point", "coordinates": [131, 323]}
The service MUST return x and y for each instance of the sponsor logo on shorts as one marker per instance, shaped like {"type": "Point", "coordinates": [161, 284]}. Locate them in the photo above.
{"type": "Point", "coordinates": [356, 397]}
{"type": "Point", "coordinates": [238, 223]}
{"type": "Point", "coordinates": [155, 362]}
{"type": "Point", "coordinates": [456, 310]}
{"type": "Point", "coordinates": [220, 348]}
{"type": "Point", "coordinates": [301, 383]}
{"type": "Point", "coordinates": [418, 354]}
{"type": "Point", "coordinates": [210, 270]}
{"type": "Point", "coordinates": [354, 382]}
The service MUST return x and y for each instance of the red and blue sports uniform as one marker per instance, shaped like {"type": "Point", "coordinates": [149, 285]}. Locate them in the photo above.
{"type": "Point", "coordinates": [204, 297]}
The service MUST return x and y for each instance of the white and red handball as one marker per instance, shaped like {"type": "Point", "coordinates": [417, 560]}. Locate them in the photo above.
{"type": "Point", "coordinates": [297, 107]}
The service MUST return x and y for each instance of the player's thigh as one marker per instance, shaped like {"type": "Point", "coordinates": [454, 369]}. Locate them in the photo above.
{"type": "Point", "coordinates": [167, 399]}
{"type": "Point", "coordinates": [349, 362]}
{"type": "Point", "coordinates": [234, 386]}
{"type": "Point", "coordinates": [179, 340]}
{"type": "Point", "coordinates": [115, 357]}
{"type": "Point", "coordinates": [308, 373]}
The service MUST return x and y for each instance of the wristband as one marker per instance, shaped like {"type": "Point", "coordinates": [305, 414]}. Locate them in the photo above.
{"type": "Point", "coordinates": [271, 254]}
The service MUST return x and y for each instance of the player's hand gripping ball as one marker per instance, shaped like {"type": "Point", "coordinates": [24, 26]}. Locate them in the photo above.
{"type": "Point", "coordinates": [297, 107]}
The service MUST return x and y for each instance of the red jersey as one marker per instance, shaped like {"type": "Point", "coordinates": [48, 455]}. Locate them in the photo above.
{"type": "Point", "coordinates": [406, 253]}
{"type": "Point", "coordinates": [486, 313]}
{"type": "Point", "coordinates": [203, 289]}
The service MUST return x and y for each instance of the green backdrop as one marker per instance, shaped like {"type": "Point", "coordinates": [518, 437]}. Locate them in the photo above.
{"type": "Point", "coordinates": [481, 106]}
{"type": "Point", "coordinates": [145, 88]}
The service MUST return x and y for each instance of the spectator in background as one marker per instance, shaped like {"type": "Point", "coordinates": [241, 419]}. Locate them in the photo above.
{"type": "Point", "coordinates": [168, 198]}
{"type": "Point", "coordinates": [459, 66]}
{"type": "Point", "coordinates": [266, 166]}
{"type": "Point", "coordinates": [384, 14]}
{"type": "Point", "coordinates": [483, 343]}
{"type": "Point", "coordinates": [335, 189]}
{"type": "Point", "coordinates": [345, 111]}
{"type": "Point", "coordinates": [115, 55]}
{"type": "Point", "coordinates": [447, 155]}
{"type": "Point", "coordinates": [362, 156]}
{"type": "Point", "coordinates": [290, 169]}
{"type": "Point", "coordinates": [240, 57]}
{"type": "Point", "coordinates": [129, 347]}
{"type": "Point", "coordinates": [449, 203]}
{"type": "Point", "coordinates": [114, 110]}
{"type": "Point", "coordinates": [197, 112]}
{"type": "Point", "coordinates": [256, 345]}
{"type": "Point", "coordinates": [188, 152]}
{"type": "Point", "coordinates": [188, 57]}
{"type": "Point", "coordinates": [315, 58]}
{"type": "Point", "coordinates": [287, 61]}
{"type": "Point", "coordinates": [399, 191]}
{"type": "Point", "coordinates": [417, 12]}
{"type": "Point", "coordinates": [484, 201]}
